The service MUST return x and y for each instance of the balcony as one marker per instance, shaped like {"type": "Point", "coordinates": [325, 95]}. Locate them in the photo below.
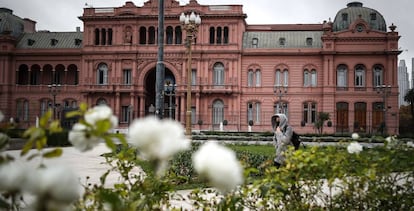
{"type": "Point", "coordinates": [124, 87]}
{"type": "Point", "coordinates": [217, 89]}
{"type": "Point", "coordinates": [105, 88]}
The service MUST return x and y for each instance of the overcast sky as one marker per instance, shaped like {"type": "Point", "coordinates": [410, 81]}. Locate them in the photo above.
{"type": "Point", "coordinates": [62, 15]}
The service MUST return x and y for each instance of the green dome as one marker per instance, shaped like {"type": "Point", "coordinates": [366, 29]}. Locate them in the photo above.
{"type": "Point", "coordinates": [354, 11]}
{"type": "Point", "coordinates": [10, 24]}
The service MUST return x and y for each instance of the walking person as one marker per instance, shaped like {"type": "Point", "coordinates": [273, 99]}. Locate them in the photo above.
{"type": "Point", "coordinates": [281, 138]}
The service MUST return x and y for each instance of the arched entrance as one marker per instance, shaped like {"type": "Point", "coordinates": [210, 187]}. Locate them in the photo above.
{"type": "Point", "coordinates": [169, 93]}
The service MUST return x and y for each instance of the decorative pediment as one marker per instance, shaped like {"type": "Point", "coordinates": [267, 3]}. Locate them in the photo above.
{"type": "Point", "coordinates": [167, 3]}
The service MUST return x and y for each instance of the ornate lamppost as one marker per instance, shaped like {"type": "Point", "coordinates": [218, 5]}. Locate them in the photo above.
{"type": "Point", "coordinates": [280, 91]}
{"type": "Point", "coordinates": [385, 91]}
{"type": "Point", "coordinates": [169, 90]}
{"type": "Point", "coordinates": [54, 89]}
{"type": "Point", "coordinates": [190, 25]}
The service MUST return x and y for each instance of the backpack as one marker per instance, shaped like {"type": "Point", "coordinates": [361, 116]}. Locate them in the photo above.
{"type": "Point", "coordinates": [295, 139]}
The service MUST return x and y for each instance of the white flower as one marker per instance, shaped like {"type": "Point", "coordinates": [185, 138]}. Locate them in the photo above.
{"type": "Point", "coordinates": [12, 176]}
{"type": "Point", "coordinates": [355, 136]}
{"type": "Point", "coordinates": [80, 138]}
{"type": "Point", "coordinates": [4, 141]}
{"type": "Point", "coordinates": [99, 113]}
{"type": "Point", "coordinates": [220, 165]}
{"type": "Point", "coordinates": [410, 144]}
{"type": "Point", "coordinates": [390, 139]}
{"type": "Point", "coordinates": [354, 147]}
{"type": "Point", "coordinates": [1, 116]}
{"type": "Point", "coordinates": [158, 139]}
{"type": "Point", "coordinates": [57, 183]}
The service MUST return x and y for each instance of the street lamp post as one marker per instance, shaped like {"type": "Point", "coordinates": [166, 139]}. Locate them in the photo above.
{"type": "Point", "coordinates": [385, 91]}
{"type": "Point", "coordinates": [190, 25]}
{"type": "Point", "coordinates": [169, 90]}
{"type": "Point", "coordinates": [280, 91]}
{"type": "Point", "coordinates": [54, 89]}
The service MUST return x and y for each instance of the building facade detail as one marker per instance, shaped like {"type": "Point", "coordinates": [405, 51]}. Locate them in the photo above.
{"type": "Point", "coordinates": [241, 74]}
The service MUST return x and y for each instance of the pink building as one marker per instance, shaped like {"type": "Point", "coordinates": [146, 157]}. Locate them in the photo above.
{"type": "Point", "coordinates": [240, 73]}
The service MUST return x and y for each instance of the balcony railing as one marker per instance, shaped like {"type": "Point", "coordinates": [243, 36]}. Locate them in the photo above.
{"type": "Point", "coordinates": [223, 89]}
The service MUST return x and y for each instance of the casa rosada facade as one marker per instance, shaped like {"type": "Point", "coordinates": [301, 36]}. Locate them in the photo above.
{"type": "Point", "coordinates": [241, 74]}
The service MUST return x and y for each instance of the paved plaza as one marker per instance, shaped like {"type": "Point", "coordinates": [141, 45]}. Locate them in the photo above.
{"type": "Point", "coordinates": [90, 164]}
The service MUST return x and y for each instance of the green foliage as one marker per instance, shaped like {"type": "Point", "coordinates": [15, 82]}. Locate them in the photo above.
{"type": "Point", "coordinates": [314, 178]}
{"type": "Point", "coordinates": [58, 139]}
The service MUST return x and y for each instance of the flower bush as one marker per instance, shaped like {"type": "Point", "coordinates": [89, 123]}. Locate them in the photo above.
{"type": "Point", "coordinates": [156, 156]}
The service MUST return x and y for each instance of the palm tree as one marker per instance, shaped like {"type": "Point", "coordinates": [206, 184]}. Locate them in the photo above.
{"type": "Point", "coordinates": [320, 121]}
{"type": "Point", "coordinates": [409, 97]}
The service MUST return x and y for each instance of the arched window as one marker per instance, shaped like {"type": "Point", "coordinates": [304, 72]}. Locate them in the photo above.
{"type": "Point", "coordinates": [359, 76]}
{"type": "Point", "coordinates": [178, 35]}
{"type": "Point", "coordinates": [102, 76]}
{"type": "Point", "coordinates": [341, 76]}
{"type": "Point", "coordinates": [170, 33]}
{"type": "Point", "coordinates": [97, 36]}
{"type": "Point", "coordinates": [109, 36]}
{"type": "Point", "coordinates": [309, 78]}
{"type": "Point", "coordinates": [226, 35]}
{"type": "Point", "coordinates": [103, 34]}
{"type": "Point", "coordinates": [377, 76]}
{"type": "Point", "coordinates": [151, 36]}
{"type": "Point", "coordinates": [282, 77]}
{"type": "Point", "coordinates": [278, 79]}
{"type": "Point", "coordinates": [218, 74]}
{"type": "Point", "coordinates": [142, 35]}
{"type": "Point", "coordinates": [72, 75]}
{"type": "Point", "coordinates": [314, 78]}
{"type": "Point", "coordinates": [212, 35]}
{"type": "Point", "coordinates": [22, 75]}
{"type": "Point", "coordinates": [253, 112]}
{"type": "Point", "coordinates": [258, 77]}
{"type": "Point", "coordinates": [35, 75]}
{"type": "Point", "coordinates": [250, 75]}
{"type": "Point", "coordinates": [218, 112]}
{"type": "Point", "coordinates": [219, 34]}
{"type": "Point", "coordinates": [59, 74]}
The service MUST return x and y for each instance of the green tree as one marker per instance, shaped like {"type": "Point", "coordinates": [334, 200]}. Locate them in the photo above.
{"type": "Point", "coordinates": [409, 97]}
{"type": "Point", "coordinates": [320, 121]}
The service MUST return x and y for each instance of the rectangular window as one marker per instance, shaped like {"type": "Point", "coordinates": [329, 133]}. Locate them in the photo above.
{"type": "Point", "coordinates": [277, 78]}
{"type": "Point", "coordinates": [193, 77]}
{"type": "Point", "coordinates": [313, 78]}
{"type": "Point", "coordinates": [250, 78]}
{"type": "Point", "coordinates": [306, 78]}
{"type": "Point", "coordinates": [124, 114]}
{"type": "Point", "coordinates": [258, 77]}
{"type": "Point", "coordinates": [249, 112]}
{"type": "Point", "coordinates": [193, 115]}
{"type": "Point", "coordinates": [257, 113]}
{"type": "Point", "coordinates": [313, 113]}
{"type": "Point", "coordinates": [255, 42]}
{"type": "Point", "coordinates": [309, 112]}
{"type": "Point", "coordinates": [305, 112]}
{"type": "Point", "coordinates": [127, 76]}
{"type": "Point", "coordinates": [285, 78]}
